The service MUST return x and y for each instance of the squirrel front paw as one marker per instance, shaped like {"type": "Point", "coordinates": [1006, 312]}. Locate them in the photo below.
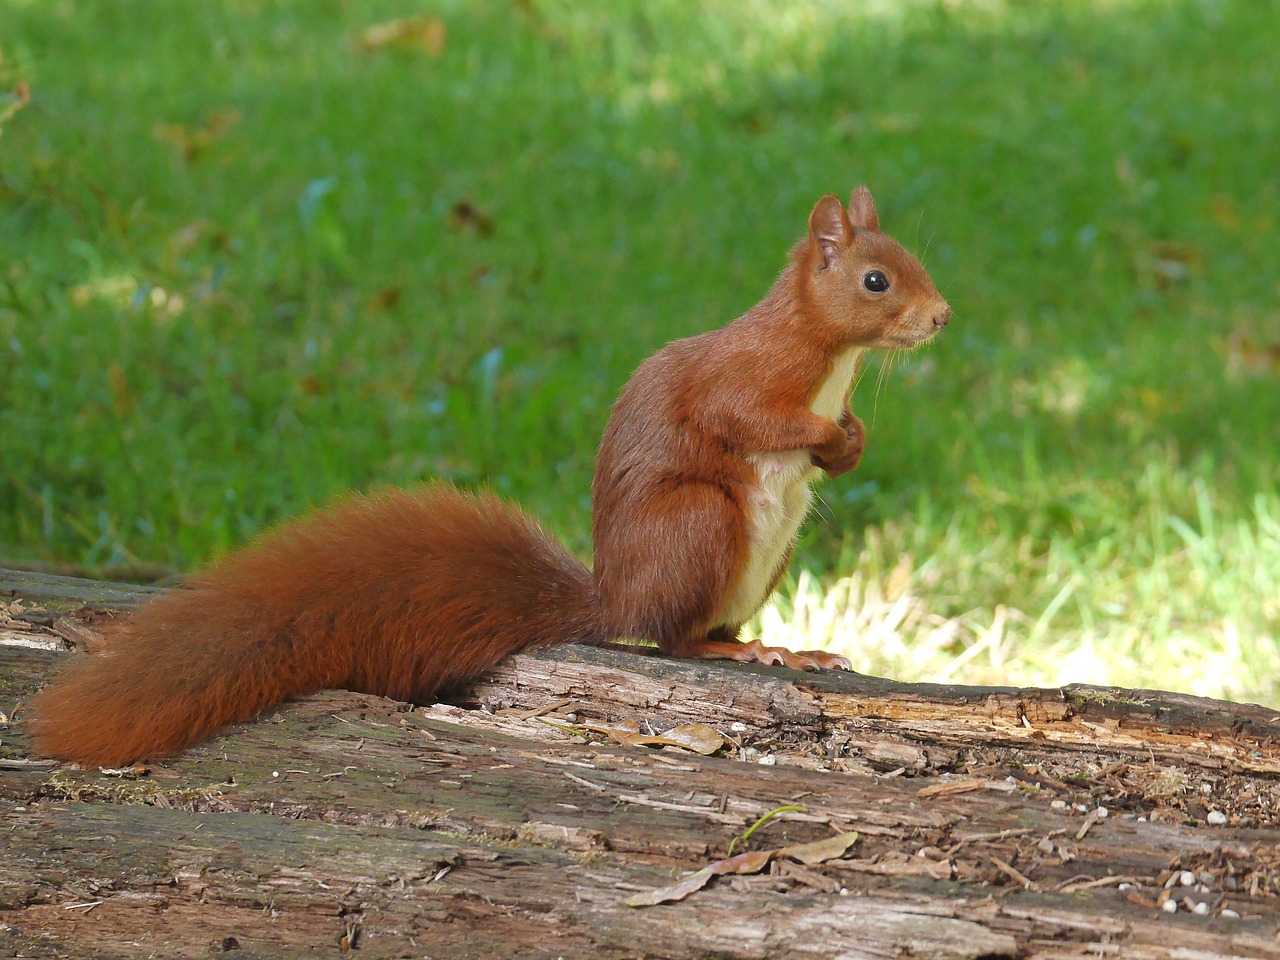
{"type": "Point", "coordinates": [855, 439]}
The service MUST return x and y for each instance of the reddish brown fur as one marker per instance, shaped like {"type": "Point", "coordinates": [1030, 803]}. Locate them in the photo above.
{"type": "Point", "coordinates": [673, 456]}
{"type": "Point", "coordinates": [407, 593]}
{"type": "Point", "coordinates": [402, 594]}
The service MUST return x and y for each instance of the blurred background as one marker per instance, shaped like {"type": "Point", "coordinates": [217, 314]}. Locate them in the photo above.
{"type": "Point", "coordinates": [255, 254]}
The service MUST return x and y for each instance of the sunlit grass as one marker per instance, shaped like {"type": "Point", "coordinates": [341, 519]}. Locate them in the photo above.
{"type": "Point", "coordinates": [1167, 606]}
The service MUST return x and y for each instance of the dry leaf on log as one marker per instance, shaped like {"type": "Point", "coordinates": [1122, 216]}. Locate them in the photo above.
{"type": "Point", "coordinates": [746, 863]}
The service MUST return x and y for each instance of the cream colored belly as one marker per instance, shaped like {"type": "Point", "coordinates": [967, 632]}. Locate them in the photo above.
{"type": "Point", "coordinates": [779, 501]}
{"type": "Point", "coordinates": [775, 509]}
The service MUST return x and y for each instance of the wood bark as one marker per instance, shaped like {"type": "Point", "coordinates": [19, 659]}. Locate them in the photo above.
{"type": "Point", "coordinates": [516, 819]}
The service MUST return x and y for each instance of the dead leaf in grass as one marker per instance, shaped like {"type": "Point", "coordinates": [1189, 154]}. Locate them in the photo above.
{"type": "Point", "coordinates": [421, 32]}
{"type": "Point", "coordinates": [11, 103]}
{"type": "Point", "coordinates": [388, 298]}
{"type": "Point", "coordinates": [466, 215]}
{"type": "Point", "coordinates": [122, 398]}
{"type": "Point", "coordinates": [191, 142]}
{"type": "Point", "coordinates": [1249, 356]}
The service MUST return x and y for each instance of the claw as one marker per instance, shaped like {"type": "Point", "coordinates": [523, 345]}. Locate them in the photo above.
{"type": "Point", "coordinates": [819, 660]}
{"type": "Point", "coordinates": [757, 652]}
{"type": "Point", "coordinates": [813, 660]}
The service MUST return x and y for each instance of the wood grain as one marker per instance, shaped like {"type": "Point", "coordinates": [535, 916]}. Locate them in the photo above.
{"type": "Point", "coordinates": [495, 825]}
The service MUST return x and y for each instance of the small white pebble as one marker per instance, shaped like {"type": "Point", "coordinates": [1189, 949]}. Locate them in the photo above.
{"type": "Point", "coordinates": [768, 760]}
{"type": "Point", "coordinates": [275, 773]}
{"type": "Point", "coordinates": [1201, 909]}
{"type": "Point", "coordinates": [737, 727]}
{"type": "Point", "coordinates": [1229, 915]}
{"type": "Point", "coordinates": [1206, 788]}
{"type": "Point", "coordinates": [1170, 906]}
{"type": "Point", "coordinates": [1125, 887]}
{"type": "Point", "coordinates": [1186, 878]}
{"type": "Point", "coordinates": [1058, 805]}
{"type": "Point", "coordinates": [844, 891]}
{"type": "Point", "coordinates": [1081, 808]}
{"type": "Point", "coordinates": [1142, 819]}
{"type": "Point", "coordinates": [1216, 817]}
{"type": "Point", "coordinates": [1102, 813]}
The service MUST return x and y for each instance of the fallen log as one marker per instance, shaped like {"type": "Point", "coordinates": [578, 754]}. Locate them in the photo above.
{"type": "Point", "coordinates": [520, 817]}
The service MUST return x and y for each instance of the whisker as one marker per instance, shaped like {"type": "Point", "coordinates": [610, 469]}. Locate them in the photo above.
{"type": "Point", "coordinates": [881, 375]}
{"type": "Point", "coordinates": [858, 374]}
{"type": "Point", "coordinates": [826, 510]}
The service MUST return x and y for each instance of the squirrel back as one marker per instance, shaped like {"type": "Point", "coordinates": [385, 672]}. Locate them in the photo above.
{"type": "Point", "coordinates": [701, 484]}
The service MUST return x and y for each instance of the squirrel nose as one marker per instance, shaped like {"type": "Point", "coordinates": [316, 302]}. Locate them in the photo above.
{"type": "Point", "coordinates": [942, 317]}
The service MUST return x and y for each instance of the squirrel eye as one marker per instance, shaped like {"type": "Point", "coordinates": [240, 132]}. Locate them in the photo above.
{"type": "Point", "coordinates": [875, 281]}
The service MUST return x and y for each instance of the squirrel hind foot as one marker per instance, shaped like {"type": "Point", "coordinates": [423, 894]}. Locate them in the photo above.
{"type": "Point", "coordinates": [756, 652]}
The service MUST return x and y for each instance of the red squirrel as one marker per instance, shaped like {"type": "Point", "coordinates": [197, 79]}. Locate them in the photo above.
{"type": "Point", "coordinates": [701, 483]}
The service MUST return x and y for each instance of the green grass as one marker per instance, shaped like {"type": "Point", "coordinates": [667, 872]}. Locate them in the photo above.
{"type": "Point", "coordinates": [246, 264]}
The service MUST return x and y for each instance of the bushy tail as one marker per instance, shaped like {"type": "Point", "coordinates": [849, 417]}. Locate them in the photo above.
{"type": "Point", "coordinates": [400, 593]}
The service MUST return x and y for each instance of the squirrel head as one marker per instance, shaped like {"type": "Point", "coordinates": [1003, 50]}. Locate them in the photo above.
{"type": "Point", "coordinates": [863, 282]}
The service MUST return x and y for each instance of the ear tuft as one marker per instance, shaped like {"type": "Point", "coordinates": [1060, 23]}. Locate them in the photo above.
{"type": "Point", "coordinates": [862, 210]}
{"type": "Point", "coordinates": [829, 228]}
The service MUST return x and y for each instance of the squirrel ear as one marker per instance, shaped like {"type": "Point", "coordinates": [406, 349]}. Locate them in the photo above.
{"type": "Point", "coordinates": [829, 228]}
{"type": "Point", "coordinates": [862, 210]}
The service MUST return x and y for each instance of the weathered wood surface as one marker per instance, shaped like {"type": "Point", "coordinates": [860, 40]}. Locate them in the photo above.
{"type": "Point", "coordinates": [67, 591]}
{"type": "Point", "coordinates": [486, 828]}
